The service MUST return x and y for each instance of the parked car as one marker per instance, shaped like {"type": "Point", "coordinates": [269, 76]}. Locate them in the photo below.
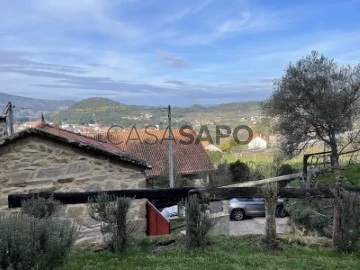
{"type": "Point", "coordinates": [239, 208]}
{"type": "Point", "coordinates": [169, 212]}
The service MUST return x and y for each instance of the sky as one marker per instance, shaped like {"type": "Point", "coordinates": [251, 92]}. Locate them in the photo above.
{"type": "Point", "coordinates": [159, 52]}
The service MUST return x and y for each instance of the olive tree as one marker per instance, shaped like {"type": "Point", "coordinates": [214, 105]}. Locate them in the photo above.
{"type": "Point", "coordinates": [316, 99]}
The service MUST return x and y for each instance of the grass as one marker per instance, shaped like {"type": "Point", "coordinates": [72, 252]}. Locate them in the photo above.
{"type": "Point", "coordinates": [350, 174]}
{"type": "Point", "coordinates": [267, 157]}
{"type": "Point", "coordinates": [223, 253]}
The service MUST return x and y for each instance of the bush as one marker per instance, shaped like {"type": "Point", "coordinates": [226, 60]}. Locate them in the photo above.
{"type": "Point", "coordinates": [30, 243]}
{"type": "Point", "coordinates": [198, 222]}
{"type": "Point", "coordinates": [258, 170]}
{"type": "Point", "coordinates": [162, 180]}
{"type": "Point", "coordinates": [286, 169]}
{"type": "Point", "coordinates": [240, 171]}
{"type": "Point", "coordinates": [111, 212]}
{"type": "Point", "coordinates": [310, 215]}
{"type": "Point", "coordinates": [40, 207]}
{"type": "Point", "coordinates": [350, 222]}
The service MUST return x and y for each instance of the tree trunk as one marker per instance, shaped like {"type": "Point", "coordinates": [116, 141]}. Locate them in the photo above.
{"type": "Point", "coordinates": [337, 212]}
{"type": "Point", "coordinates": [270, 193]}
{"type": "Point", "coordinates": [337, 236]}
{"type": "Point", "coordinates": [270, 229]}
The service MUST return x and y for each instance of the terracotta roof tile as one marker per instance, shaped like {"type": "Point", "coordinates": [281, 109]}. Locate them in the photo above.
{"type": "Point", "coordinates": [188, 158]}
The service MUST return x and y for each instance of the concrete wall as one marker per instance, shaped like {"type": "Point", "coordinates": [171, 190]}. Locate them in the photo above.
{"type": "Point", "coordinates": [221, 224]}
{"type": "Point", "coordinates": [35, 164]}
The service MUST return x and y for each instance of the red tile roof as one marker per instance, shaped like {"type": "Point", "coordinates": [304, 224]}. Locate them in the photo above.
{"type": "Point", "coordinates": [77, 140]}
{"type": "Point", "coordinates": [188, 158]}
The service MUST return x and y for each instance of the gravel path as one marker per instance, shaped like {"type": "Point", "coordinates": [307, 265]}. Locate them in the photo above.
{"type": "Point", "coordinates": [257, 226]}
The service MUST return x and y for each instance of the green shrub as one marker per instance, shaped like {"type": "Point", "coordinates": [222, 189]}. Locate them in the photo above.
{"type": "Point", "coordinates": [30, 243]}
{"type": "Point", "coordinates": [240, 171]}
{"type": "Point", "coordinates": [162, 180]}
{"type": "Point", "coordinates": [40, 207]}
{"type": "Point", "coordinates": [310, 215]}
{"type": "Point", "coordinates": [198, 222]}
{"type": "Point", "coordinates": [350, 222]}
{"type": "Point", "coordinates": [111, 212]}
{"type": "Point", "coordinates": [286, 169]}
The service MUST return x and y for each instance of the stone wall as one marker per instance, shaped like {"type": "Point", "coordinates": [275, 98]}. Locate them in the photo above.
{"type": "Point", "coordinates": [35, 164]}
{"type": "Point", "coordinates": [89, 230]}
{"type": "Point", "coordinates": [3, 129]}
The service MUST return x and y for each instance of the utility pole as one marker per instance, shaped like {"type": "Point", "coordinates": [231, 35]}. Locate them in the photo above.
{"type": "Point", "coordinates": [94, 118]}
{"type": "Point", "coordinates": [171, 164]}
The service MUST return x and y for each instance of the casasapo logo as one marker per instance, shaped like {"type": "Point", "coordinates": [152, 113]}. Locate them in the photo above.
{"type": "Point", "coordinates": [241, 134]}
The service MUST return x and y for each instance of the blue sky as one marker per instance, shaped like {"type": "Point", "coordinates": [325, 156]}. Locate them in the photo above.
{"type": "Point", "coordinates": [159, 52]}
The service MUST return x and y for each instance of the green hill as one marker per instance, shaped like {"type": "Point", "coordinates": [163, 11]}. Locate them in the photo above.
{"type": "Point", "coordinates": [106, 112]}
{"type": "Point", "coordinates": [101, 110]}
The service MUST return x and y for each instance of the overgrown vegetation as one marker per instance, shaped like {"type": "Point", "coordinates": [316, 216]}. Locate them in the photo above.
{"type": "Point", "coordinates": [28, 242]}
{"type": "Point", "coordinates": [198, 222]}
{"type": "Point", "coordinates": [310, 216]}
{"type": "Point", "coordinates": [111, 213]}
{"type": "Point", "coordinates": [286, 169]}
{"type": "Point", "coordinates": [39, 207]}
{"type": "Point", "coordinates": [350, 222]}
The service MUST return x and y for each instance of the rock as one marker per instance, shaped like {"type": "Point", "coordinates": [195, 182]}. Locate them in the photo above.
{"type": "Point", "coordinates": [50, 172]}
{"type": "Point", "coordinates": [78, 167]}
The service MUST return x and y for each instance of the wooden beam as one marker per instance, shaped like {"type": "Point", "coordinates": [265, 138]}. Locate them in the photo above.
{"type": "Point", "coordinates": [233, 192]}
{"type": "Point", "coordinates": [222, 193]}
{"type": "Point", "coordinates": [166, 196]}
{"type": "Point", "coordinates": [286, 177]}
{"type": "Point", "coordinates": [163, 195]}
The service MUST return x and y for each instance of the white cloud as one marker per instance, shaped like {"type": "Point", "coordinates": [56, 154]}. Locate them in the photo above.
{"type": "Point", "coordinates": [191, 9]}
{"type": "Point", "coordinates": [235, 25]}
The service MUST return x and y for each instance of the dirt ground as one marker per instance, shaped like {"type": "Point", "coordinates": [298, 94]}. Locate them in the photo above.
{"type": "Point", "coordinates": [257, 226]}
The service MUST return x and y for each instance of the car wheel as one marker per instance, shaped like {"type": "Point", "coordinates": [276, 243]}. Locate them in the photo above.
{"type": "Point", "coordinates": [281, 212]}
{"type": "Point", "coordinates": [238, 214]}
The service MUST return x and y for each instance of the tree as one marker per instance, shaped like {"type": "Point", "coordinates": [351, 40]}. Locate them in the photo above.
{"type": "Point", "coordinates": [316, 99]}
{"type": "Point", "coordinates": [240, 171]}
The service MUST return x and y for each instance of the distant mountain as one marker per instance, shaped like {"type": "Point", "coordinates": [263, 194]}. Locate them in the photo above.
{"type": "Point", "coordinates": [31, 107]}
{"type": "Point", "coordinates": [106, 112]}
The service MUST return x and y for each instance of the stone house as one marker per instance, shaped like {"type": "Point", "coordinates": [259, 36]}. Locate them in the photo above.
{"type": "Point", "coordinates": [49, 159]}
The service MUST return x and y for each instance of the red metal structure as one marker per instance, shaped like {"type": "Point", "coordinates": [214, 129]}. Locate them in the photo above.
{"type": "Point", "coordinates": [157, 224]}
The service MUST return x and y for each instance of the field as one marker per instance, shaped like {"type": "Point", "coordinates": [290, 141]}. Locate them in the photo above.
{"type": "Point", "coordinates": [223, 253]}
{"type": "Point", "coordinates": [267, 156]}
